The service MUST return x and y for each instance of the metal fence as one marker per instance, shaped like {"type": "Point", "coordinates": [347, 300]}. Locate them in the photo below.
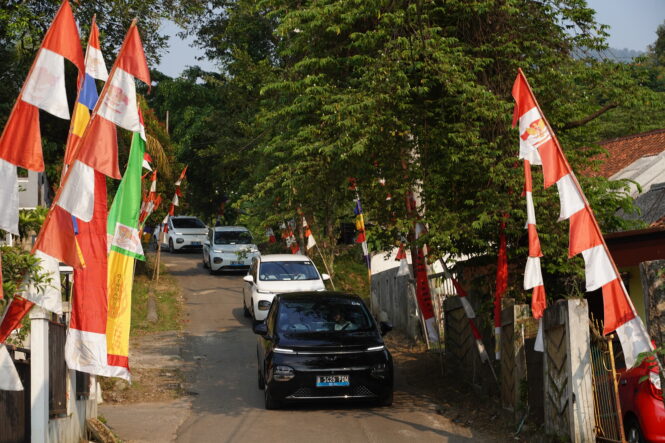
{"type": "Point", "coordinates": [15, 405]}
{"type": "Point", "coordinates": [607, 408]}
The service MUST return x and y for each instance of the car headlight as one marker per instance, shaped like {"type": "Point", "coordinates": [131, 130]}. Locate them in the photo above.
{"type": "Point", "coordinates": [261, 291]}
{"type": "Point", "coordinates": [217, 251]}
{"type": "Point", "coordinates": [283, 373]}
{"type": "Point", "coordinates": [264, 305]}
{"type": "Point", "coordinates": [279, 350]}
{"type": "Point", "coordinates": [376, 348]}
{"type": "Point", "coordinates": [180, 240]}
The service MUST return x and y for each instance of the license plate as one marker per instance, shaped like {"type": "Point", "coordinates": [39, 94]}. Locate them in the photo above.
{"type": "Point", "coordinates": [196, 243]}
{"type": "Point", "coordinates": [237, 263]}
{"type": "Point", "coordinates": [325, 381]}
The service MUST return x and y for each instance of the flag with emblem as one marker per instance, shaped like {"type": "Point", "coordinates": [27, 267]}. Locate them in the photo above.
{"type": "Point", "coordinates": [539, 146]}
{"type": "Point", "coordinates": [44, 88]}
{"type": "Point", "coordinates": [124, 247]}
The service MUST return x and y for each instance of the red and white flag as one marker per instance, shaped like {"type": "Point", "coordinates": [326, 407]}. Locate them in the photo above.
{"type": "Point", "coordinates": [539, 145]}
{"type": "Point", "coordinates": [75, 200]}
{"type": "Point", "coordinates": [44, 88]}
{"type": "Point", "coordinates": [85, 348]}
{"type": "Point", "coordinates": [308, 235]}
{"type": "Point", "coordinates": [146, 161]}
{"type": "Point", "coordinates": [533, 278]}
{"type": "Point", "coordinates": [98, 148]}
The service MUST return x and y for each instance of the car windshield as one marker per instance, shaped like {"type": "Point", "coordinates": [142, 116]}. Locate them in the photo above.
{"type": "Point", "coordinates": [187, 223]}
{"type": "Point", "coordinates": [233, 238]}
{"type": "Point", "coordinates": [288, 270]}
{"type": "Point", "coordinates": [330, 315]}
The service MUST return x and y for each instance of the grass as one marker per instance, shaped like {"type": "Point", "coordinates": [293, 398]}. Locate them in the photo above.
{"type": "Point", "coordinates": [167, 297]}
{"type": "Point", "coordinates": [350, 274]}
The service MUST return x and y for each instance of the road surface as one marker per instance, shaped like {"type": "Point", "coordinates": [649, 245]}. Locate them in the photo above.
{"type": "Point", "coordinates": [226, 405]}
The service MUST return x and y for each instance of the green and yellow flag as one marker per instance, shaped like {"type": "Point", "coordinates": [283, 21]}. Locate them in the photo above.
{"type": "Point", "coordinates": [124, 247]}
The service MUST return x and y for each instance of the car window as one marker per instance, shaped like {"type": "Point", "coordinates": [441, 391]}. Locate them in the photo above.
{"type": "Point", "coordinates": [233, 238]}
{"type": "Point", "coordinates": [338, 315]}
{"type": "Point", "coordinates": [187, 223]}
{"type": "Point", "coordinates": [288, 270]}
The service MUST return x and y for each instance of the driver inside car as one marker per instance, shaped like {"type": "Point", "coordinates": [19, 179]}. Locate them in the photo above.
{"type": "Point", "coordinates": [340, 322]}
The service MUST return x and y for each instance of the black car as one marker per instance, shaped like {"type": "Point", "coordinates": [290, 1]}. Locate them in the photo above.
{"type": "Point", "coordinates": [322, 345]}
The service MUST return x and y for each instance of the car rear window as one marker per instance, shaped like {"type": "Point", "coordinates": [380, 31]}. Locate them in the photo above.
{"type": "Point", "coordinates": [336, 316]}
{"type": "Point", "coordinates": [187, 223]}
{"type": "Point", "coordinates": [233, 238]}
{"type": "Point", "coordinates": [288, 271]}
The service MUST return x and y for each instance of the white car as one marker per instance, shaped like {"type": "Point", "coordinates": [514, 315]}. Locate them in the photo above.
{"type": "Point", "coordinates": [228, 248]}
{"type": "Point", "coordinates": [184, 232]}
{"type": "Point", "coordinates": [276, 274]}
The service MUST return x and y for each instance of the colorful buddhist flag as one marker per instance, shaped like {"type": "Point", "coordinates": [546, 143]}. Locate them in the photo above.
{"type": "Point", "coordinates": [539, 145]}
{"type": "Point", "coordinates": [125, 246]}
{"type": "Point", "coordinates": [360, 227]}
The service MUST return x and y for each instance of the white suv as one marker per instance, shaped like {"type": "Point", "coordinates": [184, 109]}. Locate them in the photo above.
{"type": "Point", "coordinates": [276, 274]}
{"type": "Point", "coordinates": [184, 232]}
{"type": "Point", "coordinates": [228, 248]}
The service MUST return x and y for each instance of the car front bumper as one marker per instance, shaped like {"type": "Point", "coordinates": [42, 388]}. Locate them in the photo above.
{"type": "Point", "coordinates": [230, 261]}
{"type": "Point", "coordinates": [191, 242]}
{"type": "Point", "coordinates": [365, 382]}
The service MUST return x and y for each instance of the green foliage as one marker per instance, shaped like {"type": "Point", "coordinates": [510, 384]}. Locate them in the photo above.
{"type": "Point", "coordinates": [31, 220]}
{"type": "Point", "coordinates": [413, 94]}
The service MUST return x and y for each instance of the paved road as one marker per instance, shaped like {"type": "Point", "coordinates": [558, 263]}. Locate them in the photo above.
{"type": "Point", "coordinates": [227, 405]}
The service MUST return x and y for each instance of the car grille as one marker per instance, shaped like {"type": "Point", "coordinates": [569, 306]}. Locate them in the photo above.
{"type": "Point", "coordinates": [359, 391]}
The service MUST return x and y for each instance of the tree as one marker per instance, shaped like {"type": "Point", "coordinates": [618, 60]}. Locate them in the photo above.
{"type": "Point", "coordinates": [415, 94]}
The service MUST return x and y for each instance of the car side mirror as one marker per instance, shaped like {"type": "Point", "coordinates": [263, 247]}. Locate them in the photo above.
{"type": "Point", "coordinates": [385, 327]}
{"type": "Point", "coordinates": [325, 277]}
{"type": "Point", "coordinates": [248, 278]}
{"type": "Point", "coordinates": [260, 328]}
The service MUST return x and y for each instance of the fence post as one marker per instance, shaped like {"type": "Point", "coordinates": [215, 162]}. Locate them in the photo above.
{"type": "Point", "coordinates": [568, 387]}
{"type": "Point", "coordinates": [39, 375]}
{"type": "Point", "coordinates": [517, 325]}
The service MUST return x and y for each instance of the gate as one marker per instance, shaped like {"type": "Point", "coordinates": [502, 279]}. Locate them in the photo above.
{"type": "Point", "coordinates": [15, 405]}
{"type": "Point", "coordinates": [607, 408]}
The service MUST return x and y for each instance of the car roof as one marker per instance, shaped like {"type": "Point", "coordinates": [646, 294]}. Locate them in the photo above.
{"type": "Point", "coordinates": [184, 216]}
{"type": "Point", "coordinates": [284, 257]}
{"type": "Point", "coordinates": [230, 228]}
{"type": "Point", "coordinates": [317, 295]}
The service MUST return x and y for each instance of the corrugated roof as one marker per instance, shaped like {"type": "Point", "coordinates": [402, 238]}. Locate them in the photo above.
{"type": "Point", "coordinates": [623, 151]}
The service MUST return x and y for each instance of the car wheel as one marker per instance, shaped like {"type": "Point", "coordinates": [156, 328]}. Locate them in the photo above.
{"type": "Point", "coordinates": [210, 270]}
{"type": "Point", "coordinates": [386, 400]}
{"type": "Point", "coordinates": [171, 248]}
{"type": "Point", "coordinates": [633, 431]}
{"type": "Point", "coordinates": [270, 402]}
{"type": "Point", "coordinates": [205, 263]}
{"type": "Point", "coordinates": [245, 311]}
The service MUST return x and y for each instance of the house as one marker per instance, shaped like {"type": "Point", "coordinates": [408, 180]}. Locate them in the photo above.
{"type": "Point", "coordinates": [640, 158]}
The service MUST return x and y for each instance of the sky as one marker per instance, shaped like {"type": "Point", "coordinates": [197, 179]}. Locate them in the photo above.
{"type": "Point", "coordinates": [632, 24]}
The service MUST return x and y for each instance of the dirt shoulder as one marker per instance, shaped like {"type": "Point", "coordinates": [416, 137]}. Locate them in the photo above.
{"type": "Point", "coordinates": [422, 374]}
